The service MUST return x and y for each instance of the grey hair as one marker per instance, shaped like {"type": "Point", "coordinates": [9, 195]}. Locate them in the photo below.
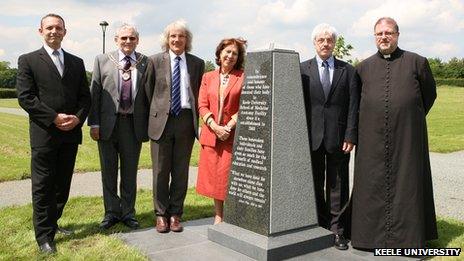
{"type": "Point", "coordinates": [126, 26]}
{"type": "Point", "coordinates": [387, 20]}
{"type": "Point", "coordinates": [179, 24]}
{"type": "Point", "coordinates": [323, 29]}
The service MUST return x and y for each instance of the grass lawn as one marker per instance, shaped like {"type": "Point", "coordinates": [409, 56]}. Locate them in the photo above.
{"type": "Point", "coordinates": [15, 150]}
{"type": "Point", "coordinates": [445, 120]}
{"type": "Point", "coordinates": [83, 215]}
{"type": "Point", "coordinates": [445, 127]}
{"type": "Point", "coordinates": [9, 103]}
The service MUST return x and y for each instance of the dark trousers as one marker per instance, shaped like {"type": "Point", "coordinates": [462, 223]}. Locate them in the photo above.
{"type": "Point", "coordinates": [123, 147]}
{"type": "Point", "coordinates": [51, 172]}
{"type": "Point", "coordinates": [330, 172]}
{"type": "Point", "coordinates": [171, 157]}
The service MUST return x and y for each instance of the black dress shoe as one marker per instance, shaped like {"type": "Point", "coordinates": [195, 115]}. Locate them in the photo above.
{"type": "Point", "coordinates": [63, 231]}
{"type": "Point", "coordinates": [131, 222]}
{"type": "Point", "coordinates": [47, 248]}
{"type": "Point", "coordinates": [340, 242]}
{"type": "Point", "coordinates": [108, 222]}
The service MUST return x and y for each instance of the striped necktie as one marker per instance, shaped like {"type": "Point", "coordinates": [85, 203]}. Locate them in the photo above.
{"type": "Point", "coordinates": [175, 90]}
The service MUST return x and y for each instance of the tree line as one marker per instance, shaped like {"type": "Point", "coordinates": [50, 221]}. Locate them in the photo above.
{"type": "Point", "coordinates": [452, 69]}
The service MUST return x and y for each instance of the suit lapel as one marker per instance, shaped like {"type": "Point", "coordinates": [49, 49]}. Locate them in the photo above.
{"type": "Point", "coordinates": [315, 79]}
{"type": "Point", "coordinates": [338, 71]}
{"type": "Point", "coordinates": [48, 60]}
{"type": "Point", "coordinates": [140, 70]}
{"type": "Point", "coordinates": [232, 81]}
{"type": "Point", "coordinates": [115, 73]}
{"type": "Point", "coordinates": [167, 69]}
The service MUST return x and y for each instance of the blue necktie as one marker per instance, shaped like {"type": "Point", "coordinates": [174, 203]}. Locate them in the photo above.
{"type": "Point", "coordinates": [326, 79]}
{"type": "Point", "coordinates": [175, 90]}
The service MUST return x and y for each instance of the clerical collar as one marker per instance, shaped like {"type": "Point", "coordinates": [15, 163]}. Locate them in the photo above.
{"type": "Point", "coordinates": [386, 56]}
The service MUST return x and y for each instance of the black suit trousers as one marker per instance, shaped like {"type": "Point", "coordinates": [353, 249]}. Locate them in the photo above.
{"type": "Point", "coordinates": [330, 173]}
{"type": "Point", "coordinates": [52, 168]}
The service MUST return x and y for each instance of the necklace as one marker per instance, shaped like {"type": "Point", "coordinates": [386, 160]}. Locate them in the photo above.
{"type": "Point", "coordinates": [126, 74]}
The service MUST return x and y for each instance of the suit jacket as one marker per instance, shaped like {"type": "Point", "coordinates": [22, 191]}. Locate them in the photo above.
{"type": "Point", "coordinates": [208, 102]}
{"type": "Point", "coordinates": [335, 119]}
{"type": "Point", "coordinates": [158, 88]}
{"type": "Point", "coordinates": [105, 97]}
{"type": "Point", "coordinates": [43, 93]}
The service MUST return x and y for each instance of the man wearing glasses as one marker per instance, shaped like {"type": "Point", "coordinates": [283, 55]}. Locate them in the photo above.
{"type": "Point", "coordinates": [392, 194]}
{"type": "Point", "coordinates": [118, 121]}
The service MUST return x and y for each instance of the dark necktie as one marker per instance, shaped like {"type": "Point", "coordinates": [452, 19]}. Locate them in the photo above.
{"type": "Point", "coordinates": [326, 79]}
{"type": "Point", "coordinates": [126, 86]}
{"type": "Point", "coordinates": [175, 90]}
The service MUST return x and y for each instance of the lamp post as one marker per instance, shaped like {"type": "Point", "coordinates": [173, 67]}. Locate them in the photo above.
{"type": "Point", "coordinates": [103, 25]}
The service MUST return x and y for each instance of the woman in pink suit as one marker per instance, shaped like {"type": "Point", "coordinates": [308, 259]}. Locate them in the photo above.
{"type": "Point", "coordinates": [218, 104]}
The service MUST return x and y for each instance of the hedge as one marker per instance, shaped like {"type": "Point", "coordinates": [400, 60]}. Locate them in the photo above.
{"type": "Point", "coordinates": [7, 93]}
{"type": "Point", "coordinates": [450, 81]}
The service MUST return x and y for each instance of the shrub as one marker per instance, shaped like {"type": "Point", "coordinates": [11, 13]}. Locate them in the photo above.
{"type": "Point", "coordinates": [450, 81]}
{"type": "Point", "coordinates": [7, 93]}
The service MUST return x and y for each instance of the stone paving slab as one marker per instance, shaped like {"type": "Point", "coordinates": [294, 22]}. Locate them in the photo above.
{"type": "Point", "coordinates": [193, 245]}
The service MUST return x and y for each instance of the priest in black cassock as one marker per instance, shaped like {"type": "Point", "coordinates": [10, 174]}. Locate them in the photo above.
{"type": "Point", "coordinates": [392, 197]}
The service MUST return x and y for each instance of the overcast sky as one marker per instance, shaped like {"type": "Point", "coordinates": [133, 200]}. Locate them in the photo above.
{"type": "Point", "coordinates": [433, 28]}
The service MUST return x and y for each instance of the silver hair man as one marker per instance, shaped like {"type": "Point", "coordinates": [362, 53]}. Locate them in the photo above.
{"type": "Point", "coordinates": [179, 24]}
{"type": "Point", "coordinates": [126, 26]}
{"type": "Point", "coordinates": [324, 28]}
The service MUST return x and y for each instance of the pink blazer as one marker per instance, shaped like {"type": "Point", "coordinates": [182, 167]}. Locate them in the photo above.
{"type": "Point", "coordinates": [208, 101]}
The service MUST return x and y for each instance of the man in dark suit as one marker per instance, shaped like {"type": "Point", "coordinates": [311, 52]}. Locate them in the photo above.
{"type": "Point", "coordinates": [173, 80]}
{"type": "Point", "coordinates": [331, 99]}
{"type": "Point", "coordinates": [118, 120]}
{"type": "Point", "coordinates": [52, 87]}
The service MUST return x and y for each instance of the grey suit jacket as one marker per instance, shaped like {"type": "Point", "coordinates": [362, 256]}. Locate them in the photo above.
{"type": "Point", "coordinates": [158, 89]}
{"type": "Point", "coordinates": [335, 119]}
{"type": "Point", "coordinates": [105, 97]}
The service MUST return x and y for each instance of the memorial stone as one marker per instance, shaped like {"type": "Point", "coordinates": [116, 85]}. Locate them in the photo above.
{"type": "Point", "coordinates": [270, 210]}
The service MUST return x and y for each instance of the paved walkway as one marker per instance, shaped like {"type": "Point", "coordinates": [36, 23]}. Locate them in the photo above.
{"type": "Point", "coordinates": [447, 174]}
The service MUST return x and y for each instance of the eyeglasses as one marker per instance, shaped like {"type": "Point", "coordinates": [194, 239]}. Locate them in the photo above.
{"type": "Point", "coordinates": [124, 38]}
{"type": "Point", "coordinates": [322, 40]}
{"type": "Point", "coordinates": [386, 33]}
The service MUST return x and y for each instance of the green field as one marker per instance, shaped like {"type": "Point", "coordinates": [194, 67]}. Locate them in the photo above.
{"type": "Point", "coordinates": [445, 120]}
{"type": "Point", "coordinates": [15, 150]}
{"type": "Point", "coordinates": [83, 215]}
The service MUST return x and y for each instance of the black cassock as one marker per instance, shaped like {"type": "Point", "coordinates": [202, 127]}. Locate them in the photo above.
{"type": "Point", "coordinates": [392, 193]}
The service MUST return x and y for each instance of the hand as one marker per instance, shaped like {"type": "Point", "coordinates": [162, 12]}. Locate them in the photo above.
{"type": "Point", "coordinates": [60, 119]}
{"type": "Point", "coordinates": [222, 132]}
{"type": "Point", "coordinates": [95, 133]}
{"type": "Point", "coordinates": [347, 147]}
{"type": "Point", "coordinates": [71, 121]}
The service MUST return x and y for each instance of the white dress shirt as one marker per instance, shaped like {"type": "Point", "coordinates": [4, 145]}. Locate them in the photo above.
{"type": "Point", "coordinates": [53, 57]}
{"type": "Point", "coordinates": [184, 79]}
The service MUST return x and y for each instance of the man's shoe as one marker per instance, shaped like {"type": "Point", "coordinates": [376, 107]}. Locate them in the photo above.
{"type": "Point", "coordinates": [162, 225]}
{"type": "Point", "coordinates": [47, 247]}
{"type": "Point", "coordinates": [63, 231]}
{"type": "Point", "coordinates": [175, 224]}
{"type": "Point", "coordinates": [108, 222]}
{"type": "Point", "coordinates": [340, 242]}
{"type": "Point", "coordinates": [131, 222]}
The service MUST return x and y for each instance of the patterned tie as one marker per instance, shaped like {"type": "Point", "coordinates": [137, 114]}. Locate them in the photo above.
{"type": "Point", "coordinates": [126, 87]}
{"type": "Point", "coordinates": [56, 60]}
{"type": "Point", "coordinates": [175, 90]}
{"type": "Point", "coordinates": [326, 79]}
